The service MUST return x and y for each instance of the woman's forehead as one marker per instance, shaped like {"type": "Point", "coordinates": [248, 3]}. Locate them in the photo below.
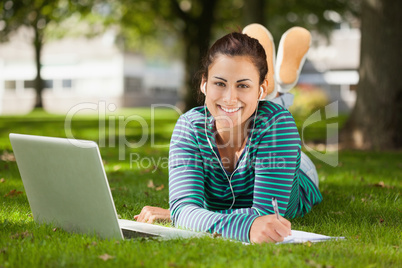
{"type": "Point", "coordinates": [233, 66]}
{"type": "Point", "coordinates": [236, 58]}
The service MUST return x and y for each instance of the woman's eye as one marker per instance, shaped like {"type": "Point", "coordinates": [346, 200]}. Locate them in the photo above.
{"type": "Point", "coordinates": [243, 86]}
{"type": "Point", "coordinates": [220, 84]}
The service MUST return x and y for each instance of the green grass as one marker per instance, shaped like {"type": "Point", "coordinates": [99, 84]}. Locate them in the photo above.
{"type": "Point", "coordinates": [355, 205]}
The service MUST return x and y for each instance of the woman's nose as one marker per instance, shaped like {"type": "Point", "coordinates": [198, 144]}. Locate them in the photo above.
{"type": "Point", "coordinates": [230, 96]}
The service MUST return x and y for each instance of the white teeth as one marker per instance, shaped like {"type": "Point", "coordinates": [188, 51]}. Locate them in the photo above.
{"type": "Point", "coordinates": [230, 110]}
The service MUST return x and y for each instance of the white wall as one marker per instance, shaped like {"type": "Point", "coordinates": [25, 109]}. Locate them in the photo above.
{"type": "Point", "coordinates": [1, 85]}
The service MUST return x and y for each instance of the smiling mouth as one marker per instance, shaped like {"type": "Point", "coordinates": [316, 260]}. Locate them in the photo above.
{"type": "Point", "coordinates": [229, 110]}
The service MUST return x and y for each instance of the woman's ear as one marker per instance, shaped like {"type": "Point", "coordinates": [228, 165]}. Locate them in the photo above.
{"type": "Point", "coordinates": [264, 87]}
{"type": "Point", "coordinates": [203, 86]}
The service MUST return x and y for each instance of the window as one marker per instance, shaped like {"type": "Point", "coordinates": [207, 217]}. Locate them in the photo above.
{"type": "Point", "coordinates": [132, 84]}
{"type": "Point", "coordinates": [29, 84]}
{"type": "Point", "coordinates": [10, 84]}
{"type": "Point", "coordinates": [67, 83]}
{"type": "Point", "coordinates": [165, 91]}
{"type": "Point", "coordinates": [48, 84]}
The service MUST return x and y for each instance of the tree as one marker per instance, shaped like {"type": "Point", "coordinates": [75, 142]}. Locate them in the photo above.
{"type": "Point", "coordinates": [37, 15]}
{"type": "Point", "coordinates": [196, 35]}
{"type": "Point", "coordinates": [191, 21]}
{"type": "Point", "coordinates": [376, 121]}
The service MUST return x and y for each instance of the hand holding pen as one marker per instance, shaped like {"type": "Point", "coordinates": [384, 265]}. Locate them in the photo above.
{"type": "Point", "coordinates": [270, 228]}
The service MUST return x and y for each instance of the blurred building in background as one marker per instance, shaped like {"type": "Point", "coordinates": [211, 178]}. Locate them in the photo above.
{"type": "Point", "coordinates": [333, 64]}
{"type": "Point", "coordinates": [83, 70]}
{"type": "Point", "coordinates": [93, 70]}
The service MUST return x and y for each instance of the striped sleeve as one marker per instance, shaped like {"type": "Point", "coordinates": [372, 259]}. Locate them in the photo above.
{"type": "Point", "coordinates": [277, 163]}
{"type": "Point", "coordinates": [186, 190]}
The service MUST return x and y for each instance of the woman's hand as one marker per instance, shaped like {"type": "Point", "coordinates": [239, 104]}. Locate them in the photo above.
{"type": "Point", "coordinates": [153, 214]}
{"type": "Point", "coordinates": [269, 229]}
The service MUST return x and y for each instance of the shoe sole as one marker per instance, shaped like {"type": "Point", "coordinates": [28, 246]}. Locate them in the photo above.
{"type": "Point", "coordinates": [292, 53]}
{"type": "Point", "coordinates": [265, 38]}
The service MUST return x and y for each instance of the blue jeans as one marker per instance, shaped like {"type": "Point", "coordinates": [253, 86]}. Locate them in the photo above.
{"type": "Point", "coordinates": [286, 100]}
{"type": "Point", "coordinates": [309, 168]}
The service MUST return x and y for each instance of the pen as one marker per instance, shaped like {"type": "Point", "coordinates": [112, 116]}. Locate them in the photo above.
{"type": "Point", "coordinates": [275, 205]}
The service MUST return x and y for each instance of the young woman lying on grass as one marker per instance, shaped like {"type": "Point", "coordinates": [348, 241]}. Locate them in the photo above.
{"type": "Point", "coordinates": [230, 157]}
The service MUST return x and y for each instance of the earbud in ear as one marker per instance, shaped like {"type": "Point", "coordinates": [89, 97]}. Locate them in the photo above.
{"type": "Point", "coordinates": [203, 88]}
{"type": "Point", "coordinates": [261, 92]}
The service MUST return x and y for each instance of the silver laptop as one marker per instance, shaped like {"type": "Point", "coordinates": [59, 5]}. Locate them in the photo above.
{"type": "Point", "coordinates": [66, 186]}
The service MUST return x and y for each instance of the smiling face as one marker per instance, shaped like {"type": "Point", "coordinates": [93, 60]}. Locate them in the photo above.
{"type": "Point", "coordinates": [232, 90]}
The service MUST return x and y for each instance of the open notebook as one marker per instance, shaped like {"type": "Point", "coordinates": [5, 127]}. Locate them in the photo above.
{"type": "Point", "coordinates": [302, 237]}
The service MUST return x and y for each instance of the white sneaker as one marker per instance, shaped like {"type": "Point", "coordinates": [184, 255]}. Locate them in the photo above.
{"type": "Point", "coordinates": [265, 38]}
{"type": "Point", "coordinates": [292, 53]}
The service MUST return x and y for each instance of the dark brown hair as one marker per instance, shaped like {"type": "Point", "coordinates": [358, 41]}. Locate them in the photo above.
{"type": "Point", "coordinates": [236, 44]}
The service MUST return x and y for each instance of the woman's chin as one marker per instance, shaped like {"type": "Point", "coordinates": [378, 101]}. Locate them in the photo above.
{"type": "Point", "coordinates": [227, 123]}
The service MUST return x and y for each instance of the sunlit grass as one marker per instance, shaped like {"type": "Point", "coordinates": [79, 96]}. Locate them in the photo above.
{"type": "Point", "coordinates": [362, 202]}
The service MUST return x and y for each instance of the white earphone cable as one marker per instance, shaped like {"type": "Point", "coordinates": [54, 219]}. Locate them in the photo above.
{"type": "Point", "coordinates": [220, 163]}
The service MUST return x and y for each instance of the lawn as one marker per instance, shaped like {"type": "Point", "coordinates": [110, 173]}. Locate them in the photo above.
{"type": "Point", "coordinates": [361, 202]}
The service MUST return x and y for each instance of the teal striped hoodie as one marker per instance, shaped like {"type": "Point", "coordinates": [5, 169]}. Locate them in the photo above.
{"type": "Point", "coordinates": [200, 195]}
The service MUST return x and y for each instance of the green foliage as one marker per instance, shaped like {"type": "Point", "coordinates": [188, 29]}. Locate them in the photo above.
{"type": "Point", "coordinates": [154, 17]}
{"type": "Point", "coordinates": [147, 26]}
{"type": "Point", "coordinates": [37, 14]}
{"type": "Point", "coordinates": [321, 16]}
{"type": "Point", "coordinates": [361, 202]}
{"type": "Point", "coordinates": [307, 100]}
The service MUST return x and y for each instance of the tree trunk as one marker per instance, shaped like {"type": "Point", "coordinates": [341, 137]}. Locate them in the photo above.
{"type": "Point", "coordinates": [38, 44]}
{"type": "Point", "coordinates": [375, 122]}
{"type": "Point", "coordinates": [197, 35]}
{"type": "Point", "coordinates": [254, 12]}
